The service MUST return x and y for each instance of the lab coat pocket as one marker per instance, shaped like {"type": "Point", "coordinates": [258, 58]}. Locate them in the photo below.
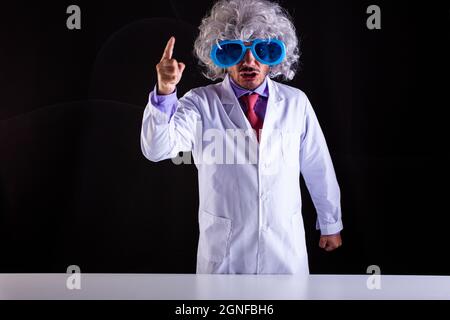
{"type": "Point", "coordinates": [290, 147]}
{"type": "Point", "coordinates": [215, 235]}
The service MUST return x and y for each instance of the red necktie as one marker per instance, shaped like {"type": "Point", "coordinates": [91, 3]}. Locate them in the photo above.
{"type": "Point", "coordinates": [255, 121]}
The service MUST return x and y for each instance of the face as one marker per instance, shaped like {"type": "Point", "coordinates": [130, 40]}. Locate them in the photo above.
{"type": "Point", "coordinates": [249, 73]}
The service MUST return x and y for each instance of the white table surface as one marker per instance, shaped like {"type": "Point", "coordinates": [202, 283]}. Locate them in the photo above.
{"type": "Point", "coordinates": [221, 287]}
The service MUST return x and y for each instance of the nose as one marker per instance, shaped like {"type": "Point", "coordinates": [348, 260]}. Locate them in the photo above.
{"type": "Point", "coordinates": [249, 58]}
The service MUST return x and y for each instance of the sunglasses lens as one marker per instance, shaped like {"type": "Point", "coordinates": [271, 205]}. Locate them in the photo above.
{"type": "Point", "coordinates": [229, 54]}
{"type": "Point", "coordinates": [269, 52]}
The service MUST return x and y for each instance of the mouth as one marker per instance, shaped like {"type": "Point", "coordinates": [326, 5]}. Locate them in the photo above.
{"type": "Point", "coordinates": [248, 75]}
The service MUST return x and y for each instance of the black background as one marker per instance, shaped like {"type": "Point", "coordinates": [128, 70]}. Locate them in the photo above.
{"type": "Point", "coordinates": [75, 188]}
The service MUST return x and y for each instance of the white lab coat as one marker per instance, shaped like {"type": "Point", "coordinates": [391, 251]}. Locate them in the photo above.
{"type": "Point", "coordinates": [249, 214]}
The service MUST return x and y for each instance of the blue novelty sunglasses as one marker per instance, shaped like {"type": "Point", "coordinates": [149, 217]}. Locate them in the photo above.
{"type": "Point", "coordinates": [228, 53]}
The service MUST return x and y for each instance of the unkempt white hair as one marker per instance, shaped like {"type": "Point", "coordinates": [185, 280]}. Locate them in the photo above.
{"type": "Point", "coordinates": [247, 20]}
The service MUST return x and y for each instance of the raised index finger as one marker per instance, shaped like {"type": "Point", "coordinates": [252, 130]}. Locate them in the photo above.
{"type": "Point", "coordinates": [168, 51]}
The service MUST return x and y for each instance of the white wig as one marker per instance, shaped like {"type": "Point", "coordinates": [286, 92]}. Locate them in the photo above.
{"type": "Point", "coordinates": [247, 20]}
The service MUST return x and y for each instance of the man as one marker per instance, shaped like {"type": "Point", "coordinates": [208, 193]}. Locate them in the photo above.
{"type": "Point", "coordinates": [250, 211]}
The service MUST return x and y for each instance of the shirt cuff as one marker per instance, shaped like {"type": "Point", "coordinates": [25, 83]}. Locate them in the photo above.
{"type": "Point", "coordinates": [164, 103]}
{"type": "Point", "coordinates": [329, 229]}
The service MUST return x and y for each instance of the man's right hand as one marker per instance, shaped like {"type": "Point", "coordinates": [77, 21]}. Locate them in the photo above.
{"type": "Point", "coordinates": [169, 70]}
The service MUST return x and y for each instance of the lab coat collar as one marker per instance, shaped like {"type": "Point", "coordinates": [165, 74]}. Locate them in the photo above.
{"type": "Point", "coordinates": [234, 110]}
{"type": "Point", "coordinates": [262, 90]}
{"type": "Point", "coordinates": [228, 96]}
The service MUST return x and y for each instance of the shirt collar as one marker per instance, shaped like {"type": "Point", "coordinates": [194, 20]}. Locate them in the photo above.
{"type": "Point", "coordinates": [262, 90]}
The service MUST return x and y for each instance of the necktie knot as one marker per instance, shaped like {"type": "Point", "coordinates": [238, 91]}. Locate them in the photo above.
{"type": "Point", "coordinates": [250, 101]}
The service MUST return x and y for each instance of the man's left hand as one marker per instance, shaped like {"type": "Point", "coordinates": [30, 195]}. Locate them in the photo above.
{"type": "Point", "coordinates": [330, 242]}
